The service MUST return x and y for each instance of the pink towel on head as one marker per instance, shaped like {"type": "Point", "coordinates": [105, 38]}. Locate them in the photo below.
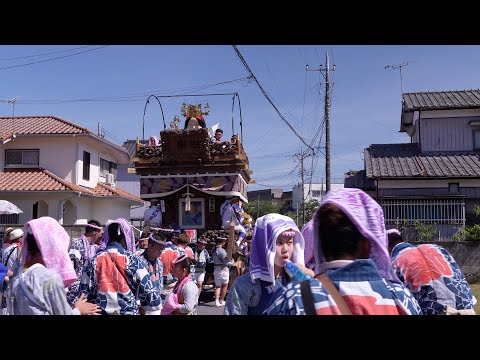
{"type": "Point", "coordinates": [53, 242]}
{"type": "Point", "coordinates": [367, 215]}
{"type": "Point", "coordinates": [127, 230]}
{"type": "Point", "coordinates": [307, 232]}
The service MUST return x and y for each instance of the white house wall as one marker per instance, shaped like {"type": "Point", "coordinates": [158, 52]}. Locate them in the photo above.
{"type": "Point", "coordinates": [297, 192]}
{"type": "Point", "coordinates": [63, 155]}
{"type": "Point", "coordinates": [53, 202]}
{"type": "Point", "coordinates": [111, 209]}
{"type": "Point", "coordinates": [99, 209]}
{"type": "Point", "coordinates": [97, 151]}
{"type": "Point", "coordinates": [131, 183]}
{"type": "Point", "coordinates": [56, 155]}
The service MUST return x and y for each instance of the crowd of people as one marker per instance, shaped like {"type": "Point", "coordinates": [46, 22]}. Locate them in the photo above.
{"type": "Point", "coordinates": [343, 261]}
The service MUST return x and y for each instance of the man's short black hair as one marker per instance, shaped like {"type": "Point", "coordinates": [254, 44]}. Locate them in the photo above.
{"type": "Point", "coordinates": [219, 130]}
{"type": "Point", "coordinates": [94, 222]}
{"type": "Point", "coordinates": [89, 229]}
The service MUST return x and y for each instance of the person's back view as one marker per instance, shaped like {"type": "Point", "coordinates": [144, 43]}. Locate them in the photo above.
{"type": "Point", "coordinates": [118, 280]}
{"type": "Point", "coordinates": [434, 278]}
{"type": "Point", "coordinates": [350, 248]}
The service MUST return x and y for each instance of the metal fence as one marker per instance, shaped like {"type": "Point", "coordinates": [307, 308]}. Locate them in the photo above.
{"type": "Point", "coordinates": [441, 211]}
{"type": "Point", "coordinates": [9, 219]}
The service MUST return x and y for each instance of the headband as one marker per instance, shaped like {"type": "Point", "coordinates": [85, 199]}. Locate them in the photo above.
{"type": "Point", "coordinates": [94, 227]}
{"type": "Point", "coordinates": [180, 259]}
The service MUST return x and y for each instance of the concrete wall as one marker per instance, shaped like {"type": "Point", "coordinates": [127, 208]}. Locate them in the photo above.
{"type": "Point", "coordinates": [78, 210]}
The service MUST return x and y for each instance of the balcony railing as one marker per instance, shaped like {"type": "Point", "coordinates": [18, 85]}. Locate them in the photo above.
{"type": "Point", "coordinates": [441, 211]}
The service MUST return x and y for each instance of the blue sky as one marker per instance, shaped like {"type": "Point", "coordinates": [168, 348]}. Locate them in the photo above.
{"type": "Point", "coordinates": [365, 106]}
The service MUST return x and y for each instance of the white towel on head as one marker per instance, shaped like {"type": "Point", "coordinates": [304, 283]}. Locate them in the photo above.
{"type": "Point", "coordinates": [212, 129]}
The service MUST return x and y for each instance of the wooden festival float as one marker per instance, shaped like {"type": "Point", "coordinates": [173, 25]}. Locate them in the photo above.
{"type": "Point", "coordinates": [192, 175]}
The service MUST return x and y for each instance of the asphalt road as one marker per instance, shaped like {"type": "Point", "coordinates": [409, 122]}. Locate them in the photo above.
{"type": "Point", "coordinates": [206, 303]}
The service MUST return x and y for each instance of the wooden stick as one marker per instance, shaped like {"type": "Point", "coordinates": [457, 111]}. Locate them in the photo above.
{"type": "Point", "coordinates": [231, 240]}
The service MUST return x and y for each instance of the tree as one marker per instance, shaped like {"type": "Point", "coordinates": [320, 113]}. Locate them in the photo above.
{"type": "Point", "coordinates": [470, 232]}
{"type": "Point", "coordinates": [425, 232]}
{"type": "Point", "coordinates": [261, 208]}
{"type": "Point", "coordinates": [311, 207]}
{"type": "Point", "coordinates": [267, 207]}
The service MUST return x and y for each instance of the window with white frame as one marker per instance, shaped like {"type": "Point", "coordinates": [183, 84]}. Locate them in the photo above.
{"type": "Point", "coordinates": [108, 167]}
{"type": "Point", "coordinates": [22, 158]}
{"type": "Point", "coordinates": [317, 193]}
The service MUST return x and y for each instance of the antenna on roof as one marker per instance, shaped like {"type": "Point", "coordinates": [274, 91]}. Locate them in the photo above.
{"type": "Point", "coordinates": [12, 101]}
{"type": "Point", "coordinates": [399, 66]}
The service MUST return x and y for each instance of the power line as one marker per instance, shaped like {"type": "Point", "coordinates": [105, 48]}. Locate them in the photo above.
{"type": "Point", "coordinates": [267, 97]}
{"type": "Point", "coordinates": [270, 185]}
{"type": "Point", "coordinates": [273, 186]}
{"type": "Point", "coordinates": [112, 136]}
{"type": "Point", "coordinates": [270, 155]}
{"type": "Point", "coordinates": [55, 58]}
{"type": "Point", "coordinates": [136, 96]}
{"type": "Point", "coordinates": [46, 54]}
{"type": "Point", "coordinates": [300, 51]}
{"type": "Point", "coordinates": [279, 176]}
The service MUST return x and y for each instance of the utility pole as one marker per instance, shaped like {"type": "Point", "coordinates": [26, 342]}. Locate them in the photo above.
{"type": "Point", "coordinates": [327, 116]}
{"type": "Point", "coordinates": [99, 130]}
{"type": "Point", "coordinates": [301, 156]}
{"type": "Point", "coordinates": [327, 124]}
{"type": "Point", "coordinates": [303, 186]}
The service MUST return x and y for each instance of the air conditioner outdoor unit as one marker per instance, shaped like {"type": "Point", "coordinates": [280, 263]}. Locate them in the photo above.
{"type": "Point", "coordinates": [109, 179]}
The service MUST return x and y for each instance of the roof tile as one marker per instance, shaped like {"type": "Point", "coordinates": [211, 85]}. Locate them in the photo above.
{"type": "Point", "coordinates": [441, 100]}
{"type": "Point", "coordinates": [44, 125]}
{"type": "Point", "coordinates": [404, 160]}
{"type": "Point", "coordinates": [39, 125]}
{"type": "Point", "coordinates": [39, 179]}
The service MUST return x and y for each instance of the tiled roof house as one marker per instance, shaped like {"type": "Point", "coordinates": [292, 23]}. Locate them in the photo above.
{"type": "Point", "coordinates": [53, 167]}
{"type": "Point", "coordinates": [435, 178]}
